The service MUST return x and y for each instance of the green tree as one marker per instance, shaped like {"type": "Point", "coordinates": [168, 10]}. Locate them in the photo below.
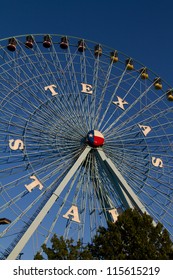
{"type": "Point", "coordinates": [132, 237]}
{"type": "Point", "coordinates": [64, 250]}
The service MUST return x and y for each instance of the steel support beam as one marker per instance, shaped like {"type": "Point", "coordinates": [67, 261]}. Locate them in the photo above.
{"type": "Point", "coordinates": [26, 236]}
{"type": "Point", "coordinates": [127, 195]}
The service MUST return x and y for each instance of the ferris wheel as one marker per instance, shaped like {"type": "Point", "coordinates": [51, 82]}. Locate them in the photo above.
{"type": "Point", "coordinates": [85, 133]}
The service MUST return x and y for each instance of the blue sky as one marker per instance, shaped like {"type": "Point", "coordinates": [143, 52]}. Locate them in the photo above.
{"type": "Point", "coordinates": [140, 29]}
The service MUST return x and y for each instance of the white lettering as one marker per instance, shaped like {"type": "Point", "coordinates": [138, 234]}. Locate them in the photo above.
{"type": "Point", "coordinates": [34, 184]}
{"type": "Point", "coordinates": [51, 88]}
{"type": "Point", "coordinates": [73, 214]}
{"type": "Point", "coordinates": [16, 144]}
{"type": "Point", "coordinates": [86, 88]}
{"type": "Point", "coordinates": [114, 214]}
{"type": "Point", "coordinates": [157, 162]}
{"type": "Point", "coordinates": [120, 103]}
{"type": "Point", "coordinates": [145, 129]}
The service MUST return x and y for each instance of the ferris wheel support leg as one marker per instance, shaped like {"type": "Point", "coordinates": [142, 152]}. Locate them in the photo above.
{"type": "Point", "coordinates": [26, 236]}
{"type": "Point", "coordinates": [127, 195]}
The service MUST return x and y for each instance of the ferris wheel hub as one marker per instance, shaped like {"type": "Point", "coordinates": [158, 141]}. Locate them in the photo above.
{"type": "Point", "coordinates": [95, 138]}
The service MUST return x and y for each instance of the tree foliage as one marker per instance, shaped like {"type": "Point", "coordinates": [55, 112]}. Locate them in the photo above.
{"type": "Point", "coordinates": [132, 237]}
{"type": "Point", "coordinates": [64, 250]}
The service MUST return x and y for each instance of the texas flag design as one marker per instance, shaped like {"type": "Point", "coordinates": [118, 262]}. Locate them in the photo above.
{"type": "Point", "coordinates": [95, 138]}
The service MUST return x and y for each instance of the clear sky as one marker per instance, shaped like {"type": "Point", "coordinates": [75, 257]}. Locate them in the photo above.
{"type": "Point", "coordinates": [140, 29]}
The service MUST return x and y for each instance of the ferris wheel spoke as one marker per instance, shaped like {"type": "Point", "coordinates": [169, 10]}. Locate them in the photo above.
{"type": "Point", "coordinates": [47, 65]}
{"type": "Point", "coordinates": [73, 74]}
{"type": "Point", "coordinates": [112, 98]}
{"type": "Point", "coordinates": [70, 70]}
{"type": "Point", "coordinates": [84, 80]}
{"type": "Point", "coordinates": [136, 178]}
{"type": "Point", "coordinates": [62, 80]}
{"type": "Point", "coordinates": [140, 112]}
{"type": "Point", "coordinates": [53, 166]}
{"type": "Point", "coordinates": [13, 200]}
{"type": "Point", "coordinates": [154, 182]}
{"type": "Point", "coordinates": [106, 82]}
{"type": "Point", "coordinates": [153, 202]}
{"type": "Point", "coordinates": [94, 90]}
{"type": "Point", "coordinates": [42, 65]}
{"type": "Point", "coordinates": [149, 121]}
{"type": "Point", "coordinates": [14, 77]}
{"type": "Point", "coordinates": [123, 101]}
{"type": "Point", "coordinates": [128, 109]}
{"type": "Point", "coordinates": [20, 216]}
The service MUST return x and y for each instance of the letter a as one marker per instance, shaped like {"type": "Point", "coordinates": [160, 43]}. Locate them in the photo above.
{"type": "Point", "coordinates": [145, 129]}
{"type": "Point", "coordinates": [73, 214]}
{"type": "Point", "coordinates": [114, 214]}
